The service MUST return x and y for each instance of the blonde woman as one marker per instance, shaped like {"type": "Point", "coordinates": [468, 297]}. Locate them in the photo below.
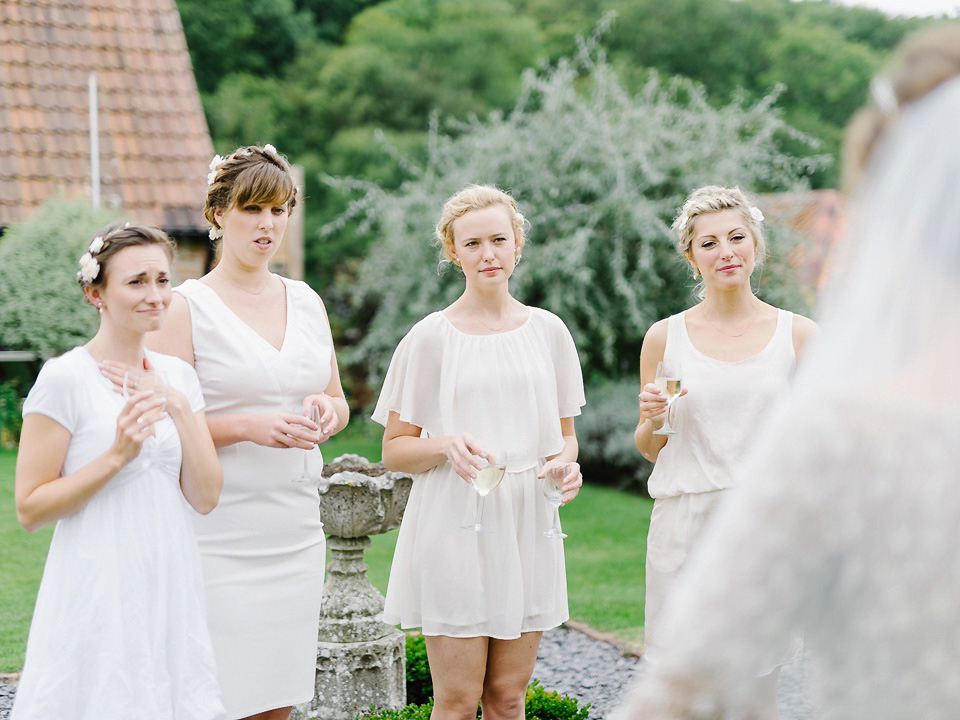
{"type": "Point", "coordinates": [845, 524]}
{"type": "Point", "coordinates": [735, 355]}
{"type": "Point", "coordinates": [262, 347]}
{"type": "Point", "coordinates": [487, 378]}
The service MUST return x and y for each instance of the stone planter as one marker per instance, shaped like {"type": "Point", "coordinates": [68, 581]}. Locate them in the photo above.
{"type": "Point", "coordinates": [360, 660]}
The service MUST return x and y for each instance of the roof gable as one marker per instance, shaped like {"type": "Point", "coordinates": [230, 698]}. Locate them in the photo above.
{"type": "Point", "coordinates": [154, 142]}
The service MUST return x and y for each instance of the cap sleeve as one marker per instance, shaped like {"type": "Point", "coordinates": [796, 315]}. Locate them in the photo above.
{"type": "Point", "coordinates": [53, 395]}
{"type": "Point", "coordinates": [566, 362]}
{"type": "Point", "coordinates": [412, 385]}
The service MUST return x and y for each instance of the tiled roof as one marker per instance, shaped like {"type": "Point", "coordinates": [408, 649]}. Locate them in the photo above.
{"type": "Point", "coordinates": [154, 142]}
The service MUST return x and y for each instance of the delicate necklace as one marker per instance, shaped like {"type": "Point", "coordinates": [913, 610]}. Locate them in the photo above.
{"type": "Point", "coordinates": [246, 290]}
{"type": "Point", "coordinates": [736, 335]}
{"type": "Point", "coordinates": [491, 329]}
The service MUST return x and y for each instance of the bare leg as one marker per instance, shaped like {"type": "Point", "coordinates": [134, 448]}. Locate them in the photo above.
{"type": "Point", "coordinates": [509, 667]}
{"type": "Point", "coordinates": [457, 667]}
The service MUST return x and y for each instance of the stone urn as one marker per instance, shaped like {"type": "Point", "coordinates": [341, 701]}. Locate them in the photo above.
{"type": "Point", "coordinates": [360, 660]}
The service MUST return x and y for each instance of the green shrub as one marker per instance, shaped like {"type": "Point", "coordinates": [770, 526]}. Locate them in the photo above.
{"type": "Point", "coordinates": [419, 682]}
{"type": "Point", "coordinates": [541, 704]}
{"type": "Point", "coordinates": [10, 419]}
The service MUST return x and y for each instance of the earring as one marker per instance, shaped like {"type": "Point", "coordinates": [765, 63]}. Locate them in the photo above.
{"type": "Point", "coordinates": [456, 261]}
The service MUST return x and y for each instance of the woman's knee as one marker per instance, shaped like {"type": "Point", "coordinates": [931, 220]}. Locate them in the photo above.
{"type": "Point", "coordinates": [504, 700]}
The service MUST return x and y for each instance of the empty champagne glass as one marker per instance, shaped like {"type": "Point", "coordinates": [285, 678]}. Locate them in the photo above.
{"type": "Point", "coordinates": [552, 488]}
{"type": "Point", "coordinates": [488, 477]}
{"type": "Point", "coordinates": [310, 472]}
{"type": "Point", "coordinates": [668, 382]}
{"type": "Point", "coordinates": [135, 381]}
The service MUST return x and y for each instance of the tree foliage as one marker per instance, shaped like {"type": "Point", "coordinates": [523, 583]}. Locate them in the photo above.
{"type": "Point", "coordinates": [599, 172]}
{"type": "Point", "coordinates": [43, 308]}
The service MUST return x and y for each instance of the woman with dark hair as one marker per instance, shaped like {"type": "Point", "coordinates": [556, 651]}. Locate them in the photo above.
{"type": "Point", "coordinates": [119, 629]}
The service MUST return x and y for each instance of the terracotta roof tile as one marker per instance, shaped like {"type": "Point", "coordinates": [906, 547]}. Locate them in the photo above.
{"type": "Point", "coordinates": [154, 142]}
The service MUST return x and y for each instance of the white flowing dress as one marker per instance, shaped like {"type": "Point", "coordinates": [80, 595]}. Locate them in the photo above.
{"type": "Point", "coordinates": [263, 547]}
{"type": "Point", "coordinates": [119, 629]}
{"type": "Point", "coordinates": [509, 391]}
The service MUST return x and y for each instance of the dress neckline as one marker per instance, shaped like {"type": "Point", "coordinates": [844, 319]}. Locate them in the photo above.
{"type": "Point", "coordinates": [519, 327]}
{"type": "Point", "coordinates": [250, 330]}
{"type": "Point", "coordinates": [781, 315]}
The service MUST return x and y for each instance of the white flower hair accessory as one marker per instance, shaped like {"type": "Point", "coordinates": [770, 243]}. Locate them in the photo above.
{"type": "Point", "coordinates": [270, 149]}
{"type": "Point", "coordinates": [756, 214]}
{"type": "Point", "coordinates": [215, 233]}
{"type": "Point", "coordinates": [214, 166]}
{"type": "Point", "coordinates": [682, 222]}
{"type": "Point", "coordinates": [96, 246]}
{"type": "Point", "coordinates": [89, 267]}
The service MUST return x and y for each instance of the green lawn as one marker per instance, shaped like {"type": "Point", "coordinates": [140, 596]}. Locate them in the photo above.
{"type": "Point", "coordinates": [605, 551]}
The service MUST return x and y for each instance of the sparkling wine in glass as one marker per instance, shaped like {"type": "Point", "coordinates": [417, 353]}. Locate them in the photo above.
{"type": "Point", "coordinates": [487, 479]}
{"type": "Point", "coordinates": [669, 383]}
{"type": "Point", "coordinates": [552, 488]}
{"type": "Point", "coordinates": [312, 458]}
{"type": "Point", "coordinates": [135, 381]}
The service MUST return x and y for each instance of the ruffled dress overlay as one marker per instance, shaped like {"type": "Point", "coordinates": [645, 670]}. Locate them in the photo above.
{"type": "Point", "coordinates": [509, 391]}
{"type": "Point", "coordinates": [263, 547]}
{"type": "Point", "coordinates": [119, 629]}
{"type": "Point", "coordinates": [716, 425]}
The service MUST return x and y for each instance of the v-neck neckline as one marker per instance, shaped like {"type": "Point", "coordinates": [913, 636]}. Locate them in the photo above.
{"type": "Point", "coordinates": [261, 338]}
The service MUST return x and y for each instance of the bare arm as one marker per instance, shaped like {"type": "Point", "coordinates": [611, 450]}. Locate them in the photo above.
{"type": "Point", "coordinates": [405, 451]}
{"type": "Point", "coordinates": [567, 458]}
{"type": "Point", "coordinates": [42, 496]}
{"type": "Point", "coordinates": [335, 412]}
{"type": "Point", "coordinates": [653, 408]}
{"type": "Point", "coordinates": [201, 477]}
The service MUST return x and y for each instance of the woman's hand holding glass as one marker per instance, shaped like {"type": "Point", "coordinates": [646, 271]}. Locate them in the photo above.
{"type": "Point", "coordinates": [324, 416]}
{"type": "Point", "coordinates": [570, 481]}
{"type": "Point", "coordinates": [465, 456]}
{"type": "Point", "coordinates": [135, 423]}
{"type": "Point", "coordinates": [656, 398]}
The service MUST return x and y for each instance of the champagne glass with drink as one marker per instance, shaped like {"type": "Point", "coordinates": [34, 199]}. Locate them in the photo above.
{"type": "Point", "coordinates": [487, 479]}
{"type": "Point", "coordinates": [135, 381]}
{"type": "Point", "coordinates": [310, 473]}
{"type": "Point", "coordinates": [668, 382]}
{"type": "Point", "coordinates": [552, 487]}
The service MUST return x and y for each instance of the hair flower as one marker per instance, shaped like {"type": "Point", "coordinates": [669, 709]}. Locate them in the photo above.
{"type": "Point", "coordinates": [215, 233]}
{"type": "Point", "coordinates": [96, 246]}
{"type": "Point", "coordinates": [682, 222]}
{"type": "Point", "coordinates": [756, 214]}
{"type": "Point", "coordinates": [214, 166]}
{"type": "Point", "coordinates": [270, 149]}
{"type": "Point", "coordinates": [89, 268]}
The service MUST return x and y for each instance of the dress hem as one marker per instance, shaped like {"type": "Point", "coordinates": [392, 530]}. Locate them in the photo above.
{"type": "Point", "coordinates": [549, 626]}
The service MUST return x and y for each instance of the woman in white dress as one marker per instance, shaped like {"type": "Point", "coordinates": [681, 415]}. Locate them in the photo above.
{"type": "Point", "coordinates": [847, 521]}
{"type": "Point", "coordinates": [119, 629]}
{"type": "Point", "coordinates": [262, 347]}
{"type": "Point", "coordinates": [735, 355]}
{"type": "Point", "coordinates": [487, 377]}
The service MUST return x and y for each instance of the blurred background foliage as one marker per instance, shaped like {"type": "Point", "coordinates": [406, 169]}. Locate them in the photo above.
{"type": "Point", "coordinates": [599, 115]}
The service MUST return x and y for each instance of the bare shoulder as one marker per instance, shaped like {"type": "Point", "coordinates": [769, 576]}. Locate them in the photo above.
{"type": "Point", "coordinates": [805, 330]}
{"type": "Point", "coordinates": [656, 336]}
{"type": "Point", "coordinates": [175, 337]}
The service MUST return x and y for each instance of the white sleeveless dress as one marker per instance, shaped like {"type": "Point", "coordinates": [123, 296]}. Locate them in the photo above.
{"type": "Point", "coordinates": [716, 424]}
{"type": "Point", "coordinates": [509, 391]}
{"type": "Point", "coordinates": [119, 629]}
{"type": "Point", "coordinates": [263, 547]}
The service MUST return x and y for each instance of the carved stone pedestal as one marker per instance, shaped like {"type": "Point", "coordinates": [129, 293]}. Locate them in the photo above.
{"type": "Point", "coordinates": [360, 660]}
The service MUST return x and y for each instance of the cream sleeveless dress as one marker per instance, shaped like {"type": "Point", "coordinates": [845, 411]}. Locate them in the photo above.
{"type": "Point", "coordinates": [509, 391]}
{"type": "Point", "coordinates": [716, 423]}
{"type": "Point", "coordinates": [263, 547]}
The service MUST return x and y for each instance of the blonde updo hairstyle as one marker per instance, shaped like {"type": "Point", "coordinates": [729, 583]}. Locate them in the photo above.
{"type": "Point", "coordinates": [250, 174]}
{"type": "Point", "coordinates": [711, 199]}
{"type": "Point", "coordinates": [923, 62]}
{"type": "Point", "coordinates": [476, 197]}
{"type": "Point", "coordinates": [115, 238]}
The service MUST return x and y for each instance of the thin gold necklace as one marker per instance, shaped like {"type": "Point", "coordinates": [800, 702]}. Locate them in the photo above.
{"type": "Point", "coordinates": [740, 334]}
{"type": "Point", "coordinates": [250, 292]}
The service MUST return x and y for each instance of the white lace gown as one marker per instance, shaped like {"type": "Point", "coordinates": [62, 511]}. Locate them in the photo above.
{"type": "Point", "coordinates": [509, 390]}
{"type": "Point", "coordinates": [119, 629]}
{"type": "Point", "coordinates": [263, 547]}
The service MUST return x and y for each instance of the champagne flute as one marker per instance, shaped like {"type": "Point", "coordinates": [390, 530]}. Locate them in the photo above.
{"type": "Point", "coordinates": [308, 474]}
{"type": "Point", "coordinates": [668, 382]}
{"type": "Point", "coordinates": [135, 381]}
{"type": "Point", "coordinates": [487, 479]}
{"type": "Point", "coordinates": [552, 488]}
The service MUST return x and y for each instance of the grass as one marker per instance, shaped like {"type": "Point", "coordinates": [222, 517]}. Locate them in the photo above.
{"type": "Point", "coordinates": [605, 553]}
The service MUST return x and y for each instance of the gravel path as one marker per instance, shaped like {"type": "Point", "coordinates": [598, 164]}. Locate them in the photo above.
{"type": "Point", "coordinates": [595, 671]}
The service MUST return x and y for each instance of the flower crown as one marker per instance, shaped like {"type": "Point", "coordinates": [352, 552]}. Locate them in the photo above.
{"type": "Point", "coordinates": [684, 218]}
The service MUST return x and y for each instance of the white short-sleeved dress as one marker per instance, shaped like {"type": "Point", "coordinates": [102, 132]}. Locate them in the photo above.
{"type": "Point", "coordinates": [263, 547]}
{"type": "Point", "coordinates": [509, 391]}
{"type": "Point", "coordinates": [716, 424]}
{"type": "Point", "coordinates": [119, 629]}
